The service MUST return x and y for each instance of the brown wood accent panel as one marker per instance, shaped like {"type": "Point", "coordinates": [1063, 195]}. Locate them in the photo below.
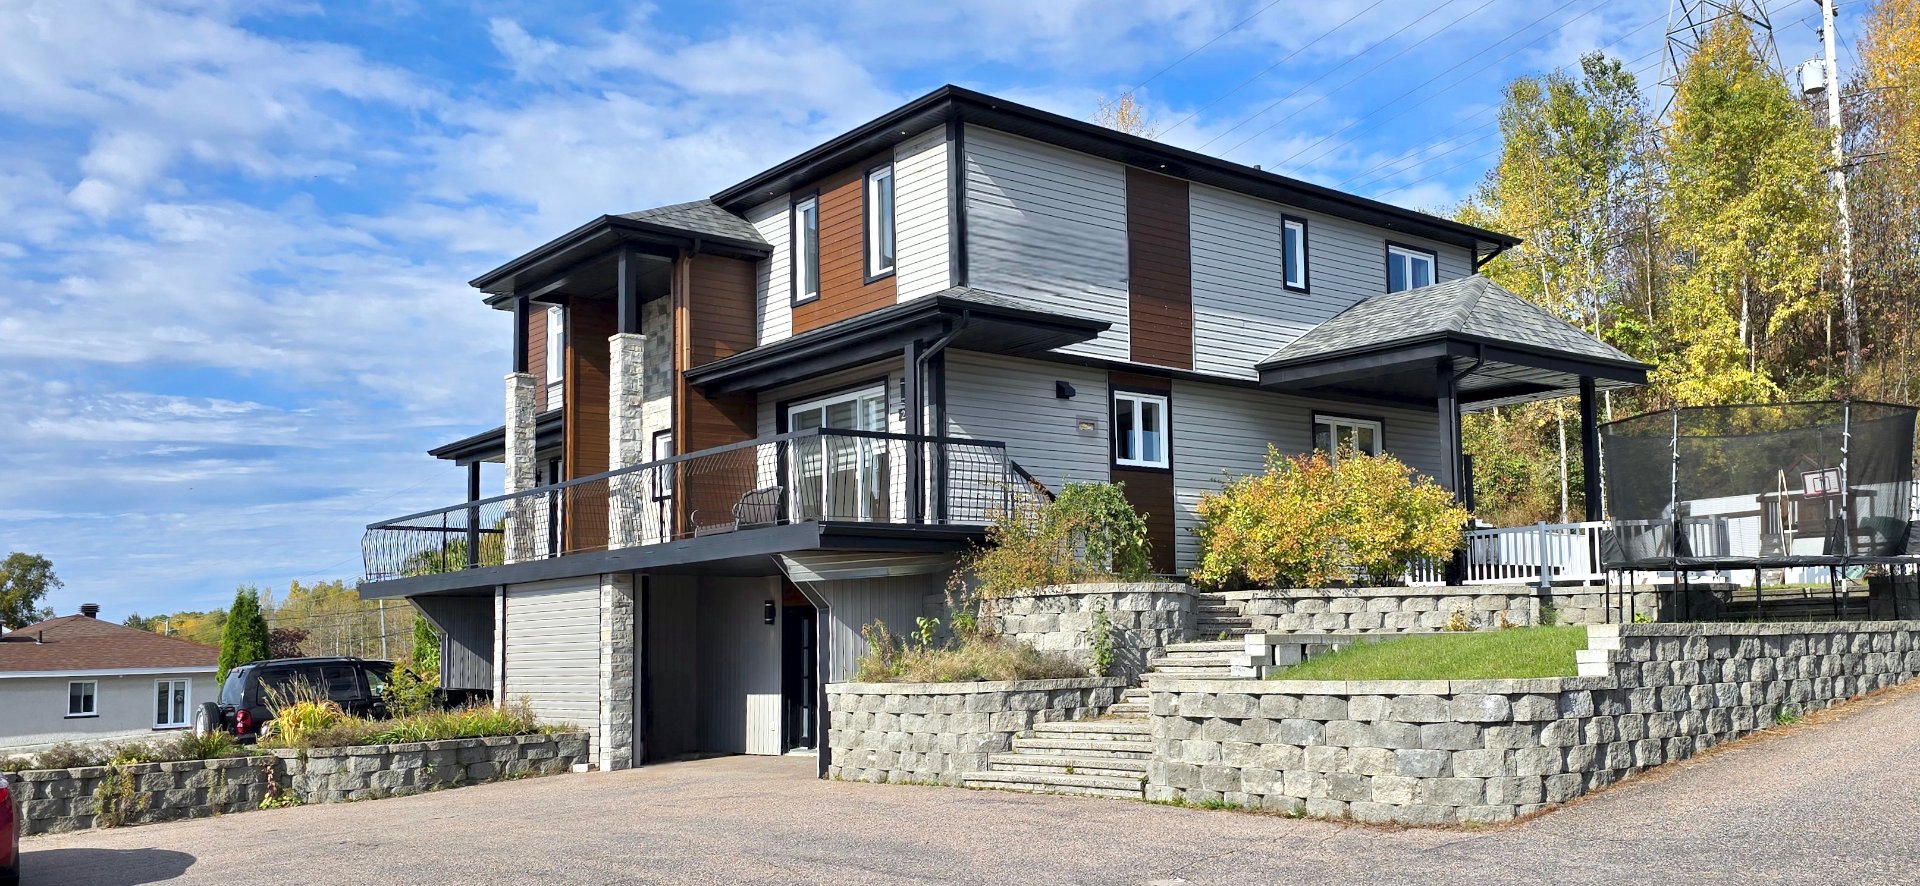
{"type": "Point", "coordinates": [1151, 491]}
{"type": "Point", "coordinates": [844, 290]}
{"type": "Point", "coordinates": [590, 321]}
{"type": "Point", "coordinates": [713, 314]}
{"type": "Point", "coordinates": [1159, 270]}
{"type": "Point", "coordinates": [537, 354]}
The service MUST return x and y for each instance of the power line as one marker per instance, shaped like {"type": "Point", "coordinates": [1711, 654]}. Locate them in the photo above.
{"type": "Point", "coordinates": [1196, 50]}
{"type": "Point", "coordinates": [1377, 66]}
{"type": "Point", "coordinates": [1268, 69]}
{"type": "Point", "coordinates": [1456, 66]}
{"type": "Point", "coordinates": [1324, 74]}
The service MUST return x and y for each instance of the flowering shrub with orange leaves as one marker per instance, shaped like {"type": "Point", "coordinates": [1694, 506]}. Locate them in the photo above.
{"type": "Point", "coordinates": [1309, 521]}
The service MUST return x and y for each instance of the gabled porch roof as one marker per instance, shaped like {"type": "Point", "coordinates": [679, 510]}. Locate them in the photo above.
{"type": "Point", "coordinates": [1491, 346]}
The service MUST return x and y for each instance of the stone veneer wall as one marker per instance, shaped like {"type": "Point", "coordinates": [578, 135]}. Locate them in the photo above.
{"type": "Point", "coordinates": [57, 800]}
{"type": "Point", "coordinates": [934, 732]}
{"type": "Point", "coordinates": [1440, 752]}
{"type": "Point", "coordinates": [1383, 610]}
{"type": "Point", "coordinates": [1144, 618]}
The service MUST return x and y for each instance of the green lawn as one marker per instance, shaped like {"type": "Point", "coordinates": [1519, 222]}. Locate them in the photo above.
{"type": "Point", "coordinates": [1515, 653]}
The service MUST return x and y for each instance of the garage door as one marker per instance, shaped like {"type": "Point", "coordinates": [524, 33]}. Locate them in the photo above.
{"type": "Point", "coordinates": [553, 652]}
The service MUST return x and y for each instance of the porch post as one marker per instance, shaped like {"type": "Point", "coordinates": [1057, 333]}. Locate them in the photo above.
{"type": "Point", "coordinates": [1448, 405]}
{"type": "Point", "coordinates": [627, 397]}
{"type": "Point", "coordinates": [1590, 447]}
{"type": "Point", "coordinates": [522, 306]}
{"type": "Point", "coordinates": [910, 356]}
{"type": "Point", "coordinates": [522, 531]}
{"type": "Point", "coordinates": [473, 516]}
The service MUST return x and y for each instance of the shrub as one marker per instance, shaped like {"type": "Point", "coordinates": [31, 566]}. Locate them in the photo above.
{"type": "Point", "coordinates": [180, 746]}
{"type": "Point", "coordinates": [321, 730]}
{"type": "Point", "coordinates": [1087, 533]}
{"type": "Point", "coordinates": [967, 659]}
{"type": "Point", "coordinates": [297, 725]}
{"type": "Point", "coordinates": [1307, 521]}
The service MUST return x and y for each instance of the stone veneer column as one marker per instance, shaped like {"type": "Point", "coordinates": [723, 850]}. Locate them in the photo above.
{"type": "Point", "coordinates": [521, 531]}
{"type": "Point", "coordinates": [617, 748]}
{"type": "Point", "coordinates": [626, 401]}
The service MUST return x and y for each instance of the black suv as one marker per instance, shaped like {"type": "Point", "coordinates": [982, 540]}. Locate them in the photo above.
{"type": "Point", "coordinates": [357, 685]}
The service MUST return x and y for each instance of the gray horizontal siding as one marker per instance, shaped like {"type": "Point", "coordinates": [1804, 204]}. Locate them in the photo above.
{"type": "Point", "coordinates": [920, 214]}
{"type": "Point", "coordinates": [1049, 226]}
{"type": "Point", "coordinates": [553, 651]}
{"type": "Point", "coordinates": [773, 282]}
{"type": "Point", "coordinates": [1222, 431]}
{"type": "Point", "coordinates": [1012, 400]}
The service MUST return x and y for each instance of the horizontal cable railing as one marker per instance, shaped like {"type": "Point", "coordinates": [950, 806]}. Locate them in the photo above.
{"type": "Point", "coordinates": [820, 475]}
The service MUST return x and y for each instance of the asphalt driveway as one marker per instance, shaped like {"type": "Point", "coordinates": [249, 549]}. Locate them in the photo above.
{"type": "Point", "coordinates": [1836, 801]}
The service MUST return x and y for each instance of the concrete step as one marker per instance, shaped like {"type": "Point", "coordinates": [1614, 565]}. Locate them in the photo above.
{"type": "Point", "coordinates": [1052, 746]}
{"type": "Point", "coordinates": [1113, 727]}
{"type": "Point", "coordinates": [1136, 709]}
{"type": "Point", "coordinates": [1195, 658]}
{"type": "Point", "coordinates": [1177, 673]}
{"type": "Point", "coordinates": [1225, 646]}
{"type": "Point", "coordinates": [1065, 764]}
{"type": "Point", "coordinates": [1136, 693]}
{"type": "Point", "coordinates": [1049, 783]}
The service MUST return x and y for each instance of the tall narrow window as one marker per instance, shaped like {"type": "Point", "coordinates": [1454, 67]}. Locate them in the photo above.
{"type": "Point", "coordinates": [80, 698]}
{"type": "Point", "coordinates": [1139, 430]}
{"type": "Point", "coordinates": [1293, 248]}
{"type": "Point", "coordinates": [806, 250]}
{"type": "Point", "coordinates": [880, 222]}
{"type": "Point", "coordinates": [1408, 268]}
{"type": "Point", "coordinates": [1334, 433]}
{"type": "Point", "coordinates": [556, 354]}
{"type": "Point", "coordinates": [172, 698]}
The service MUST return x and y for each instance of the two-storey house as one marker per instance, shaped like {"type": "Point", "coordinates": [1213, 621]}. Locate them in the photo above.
{"type": "Point", "coordinates": [740, 428]}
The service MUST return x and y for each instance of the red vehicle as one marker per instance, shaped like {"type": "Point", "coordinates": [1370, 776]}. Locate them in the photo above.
{"type": "Point", "coordinates": [9, 834]}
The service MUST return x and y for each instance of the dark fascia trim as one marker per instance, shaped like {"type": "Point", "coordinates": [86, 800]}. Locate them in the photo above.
{"type": "Point", "coordinates": [1414, 350]}
{"type": "Point", "coordinates": [614, 230]}
{"type": "Point", "coordinates": [1306, 253]}
{"type": "Point", "coordinates": [1386, 262]}
{"type": "Point", "coordinates": [687, 555]}
{"type": "Point", "coordinates": [950, 101]}
{"type": "Point", "coordinates": [907, 316]}
{"type": "Point", "coordinates": [486, 443]}
{"type": "Point", "coordinates": [793, 241]}
{"type": "Point", "coordinates": [866, 215]}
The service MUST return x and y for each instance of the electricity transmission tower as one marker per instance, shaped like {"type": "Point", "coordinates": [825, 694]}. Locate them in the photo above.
{"type": "Point", "coordinates": [1689, 21]}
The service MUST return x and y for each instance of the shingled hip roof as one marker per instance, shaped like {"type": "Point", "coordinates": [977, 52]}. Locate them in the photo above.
{"type": "Point", "coordinates": [83, 643]}
{"type": "Point", "coordinates": [699, 217]}
{"type": "Point", "coordinates": [1467, 309]}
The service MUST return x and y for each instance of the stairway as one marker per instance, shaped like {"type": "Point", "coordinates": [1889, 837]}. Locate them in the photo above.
{"type": "Point", "coordinates": [1214, 615]}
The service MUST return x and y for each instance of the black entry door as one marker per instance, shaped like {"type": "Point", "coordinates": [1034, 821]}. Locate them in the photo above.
{"type": "Point", "coordinates": [800, 681]}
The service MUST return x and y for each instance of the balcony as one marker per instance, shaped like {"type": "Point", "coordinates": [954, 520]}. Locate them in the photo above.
{"type": "Point", "coordinates": [820, 477]}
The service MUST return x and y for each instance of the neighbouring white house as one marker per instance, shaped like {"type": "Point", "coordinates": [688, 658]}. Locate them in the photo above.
{"type": "Point", "coordinates": [77, 678]}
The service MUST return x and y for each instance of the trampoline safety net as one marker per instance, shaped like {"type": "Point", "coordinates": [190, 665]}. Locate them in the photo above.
{"type": "Point", "coordinates": [1795, 483]}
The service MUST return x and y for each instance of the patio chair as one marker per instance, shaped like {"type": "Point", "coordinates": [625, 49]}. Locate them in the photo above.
{"type": "Point", "coordinates": [761, 507]}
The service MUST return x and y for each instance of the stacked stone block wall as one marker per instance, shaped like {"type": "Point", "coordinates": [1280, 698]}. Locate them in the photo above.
{"type": "Point", "coordinates": [1384, 610]}
{"type": "Point", "coordinates": [1440, 752]}
{"type": "Point", "coordinates": [935, 732]}
{"type": "Point", "coordinates": [1142, 618]}
{"type": "Point", "coordinates": [55, 800]}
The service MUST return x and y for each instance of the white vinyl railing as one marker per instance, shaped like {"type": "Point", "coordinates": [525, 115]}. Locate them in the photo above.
{"type": "Point", "coordinates": [1541, 554]}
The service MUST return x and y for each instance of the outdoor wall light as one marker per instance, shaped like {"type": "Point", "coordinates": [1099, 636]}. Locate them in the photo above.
{"type": "Point", "coordinates": [1063, 390]}
{"type": "Point", "coordinates": [768, 613]}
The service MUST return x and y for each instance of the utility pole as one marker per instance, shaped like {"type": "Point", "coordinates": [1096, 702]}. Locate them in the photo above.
{"type": "Point", "coordinates": [1839, 178]}
{"type": "Point", "coordinates": [383, 630]}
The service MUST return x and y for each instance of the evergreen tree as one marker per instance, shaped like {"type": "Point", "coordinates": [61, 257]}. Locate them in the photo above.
{"type": "Point", "coordinates": [245, 637]}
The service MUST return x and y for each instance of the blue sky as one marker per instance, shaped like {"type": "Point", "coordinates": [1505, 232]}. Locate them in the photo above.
{"type": "Point", "coordinates": [236, 235]}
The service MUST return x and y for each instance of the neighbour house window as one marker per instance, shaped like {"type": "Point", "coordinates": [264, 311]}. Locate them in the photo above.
{"type": "Point", "coordinates": [172, 698]}
{"type": "Point", "coordinates": [1408, 268]}
{"type": "Point", "coordinates": [1139, 430]}
{"type": "Point", "coordinates": [806, 250]}
{"type": "Point", "coordinates": [879, 202]}
{"type": "Point", "coordinates": [1293, 248]}
{"type": "Point", "coordinates": [80, 698]}
{"type": "Point", "coordinates": [1332, 432]}
{"type": "Point", "coordinates": [556, 354]}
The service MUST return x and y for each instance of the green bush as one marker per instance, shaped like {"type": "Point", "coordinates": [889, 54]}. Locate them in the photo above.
{"type": "Point", "coordinates": [1087, 533]}
{"type": "Point", "coordinates": [968, 658]}
{"type": "Point", "coordinates": [1308, 521]}
{"type": "Point", "coordinates": [317, 728]}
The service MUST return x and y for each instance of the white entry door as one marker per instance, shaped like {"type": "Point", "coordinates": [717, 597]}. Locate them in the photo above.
{"type": "Point", "coordinates": [840, 478]}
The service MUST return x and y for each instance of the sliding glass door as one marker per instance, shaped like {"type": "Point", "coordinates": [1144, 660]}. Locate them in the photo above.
{"type": "Point", "coordinates": [840, 478]}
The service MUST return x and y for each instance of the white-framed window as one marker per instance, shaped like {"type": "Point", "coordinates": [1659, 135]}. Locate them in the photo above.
{"type": "Point", "coordinates": [1408, 268]}
{"type": "Point", "coordinates": [806, 250]}
{"type": "Point", "coordinates": [1293, 251]}
{"type": "Point", "coordinates": [173, 699]}
{"type": "Point", "coordinates": [556, 354]}
{"type": "Point", "coordinates": [1139, 430]}
{"type": "Point", "coordinates": [1331, 433]}
{"type": "Point", "coordinates": [880, 239]}
{"type": "Point", "coordinates": [841, 477]}
{"type": "Point", "coordinates": [81, 698]}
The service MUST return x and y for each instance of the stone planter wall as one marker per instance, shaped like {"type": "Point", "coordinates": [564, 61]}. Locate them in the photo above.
{"type": "Point", "coordinates": [934, 732]}
{"type": "Point", "coordinates": [1383, 610]}
{"type": "Point", "coordinates": [1440, 752]}
{"type": "Point", "coordinates": [1143, 617]}
{"type": "Point", "coordinates": [57, 800]}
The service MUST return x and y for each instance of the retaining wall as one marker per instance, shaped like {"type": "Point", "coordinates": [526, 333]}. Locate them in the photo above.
{"type": "Point", "coordinates": [1448, 752]}
{"type": "Point", "coordinates": [1384, 610]}
{"type": "Point", "coordinates": [1142, 618]}
{"type": "Point", "coordinates": [934, 732]}
{"type": "Point", "coordinates": [55, 800]}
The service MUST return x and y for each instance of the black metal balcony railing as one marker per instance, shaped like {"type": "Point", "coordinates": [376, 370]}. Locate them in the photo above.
{"type": "Point", "coordinates": [828, 475]}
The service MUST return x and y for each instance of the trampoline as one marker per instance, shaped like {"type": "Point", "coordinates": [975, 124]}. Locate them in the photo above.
{"type": "Point", "coordinates": [1755, 487]}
